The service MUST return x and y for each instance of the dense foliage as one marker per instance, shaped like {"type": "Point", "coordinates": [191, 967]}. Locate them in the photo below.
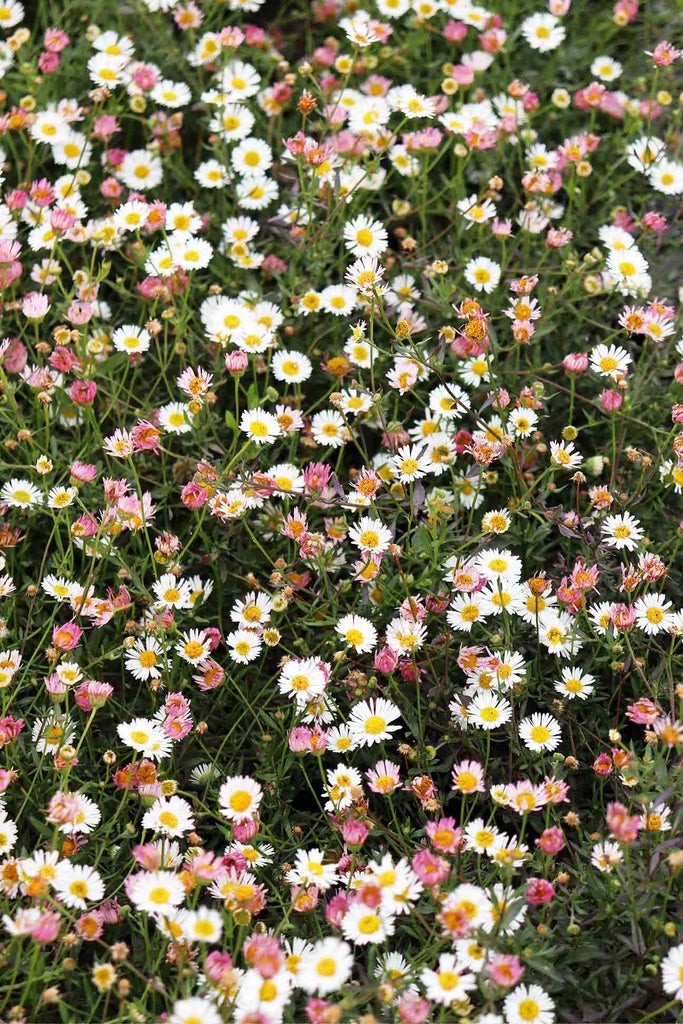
{"type": "Point", "coordinates": [340, 512]}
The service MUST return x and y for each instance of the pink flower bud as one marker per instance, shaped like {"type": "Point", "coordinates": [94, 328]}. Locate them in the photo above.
{"type": "Point", "coordinates": [575, 362]}
{"type": "Point", "coordinates": [236, 362]}
{"type": "Point", "coordinates": [355, 833]}
{"type": "Point", "coordinates": [386, 660]}
{"type": "Point", "coordinates": [611, 400]}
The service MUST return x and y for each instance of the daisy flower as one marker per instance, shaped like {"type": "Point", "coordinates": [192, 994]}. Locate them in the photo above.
{"type": "Point", "coordinates": [339, 740]}
{"type": "Point", "coordinates": [358, 633]}
{"type": "Point", "coordinates": [145, 736]}
{"type": "Point", "coordinates": [543, 32]}
{"type": "Point", "coordinates": [405, 635]}
{"type": "Point", "coordinates": [372, 721]}
{"type": "Point", "coordinates": [468, 777]}
{"type": "Point", "coordinates": [370, 535]}
{"type": "Point", "coordinates": [362, 924]}
{"type": "Point", "coordinates": [629, 268]}
{"type": "Point", "coordinates": [303, 679]}
{"type": "Point", "coordinates": [239, 798]}
{"type": "Point", "coordinates": [449, 401]}
{"type": "Point", "coordinates": [86, 817]}
{"type": "Point", "coordinates": [130, 338]}
{"type": "Point", "coordinates": [564, 455]}
{"type": "Point", "coordinates": [193, 646]}
{"type": "Point", "coordinates": [309, 869]}
{"type": "Point", "coordinates": [496, 521]}
{"type": "Point", "coordinates": [291, 367]}
{"type": "Point", "coordinates": [483, 274]}
{"type": "Point", "coordinates": [251, 156]}
{"type": "Point", "coordinates": [338, 299]}
{"type": "Point", "coordinates": [499, 564]}
{"type": "Point", "coordinates": [260, 426]}
{"type": "Point", "coordinates": [19, 493]}
{"type": "Point", "coordinates": [384, 778]}
{"type": "Point", "coordinates": [326, 967]}
{"type": "Point", "coordinates": [202, 925]}
{"type": "Point", "coordinates": [156, 892]}
{"type": "Point", "coordinates": [488, 711]}
{"type": "Point", "coordinates": [523, 421]}
{"type": "Point", "coordinates": [171, 592]}
{"type": "Point", "coordinates": [622, 532]}
{"type": "Point", "coordinates": [57, 587]}
{"type": "Point", "coordinates": [176, 418]}
{"type": "Point", "coordinates": [575, 682]}
{"type": "Point", "coordinates": [140, 170]}
{"type": "Point", "coordinates": [529, 1004]}
{"type": "Point", "coordinates": [447, 984]}
{"type": "Point", "coordinates": [475, 371]}
{"type": "Point", "coordinates": [411, 463]}
{"type": "Point", "coordinates": [500, 596]}
{"type": "Point", "coordinates": [194, 1011]}
{"type": "Point", "coordinates": [253, 610]}
{"type": "Point", "coordinates": [653, 613]}
{"type": "Point", "coordinates": [244, 645]}
{"type": "Point", "coordinates": [481, 838]}
{"type": "Point", "coordinates": [364, 236]}
{"type": "Point", "coordinates": [667, 177]}
{"type": "Point", "coordinates": [556, 631]}
{"type": "Point", "coordinates": [540, 732]}
{"type": "Point", "coordinates": [77, 884]}
{"type": "Point", "coordinates": [354, 402]}
{"type": "Point", "coordinates": [170, 816]}
{"type": "Point", "coordinates": [606, 69]}
{"type": "Point", "coordinates": [672, 972]}
{"type": "Point", "coordinates": [465, 610]}
{"type": "Point", "coordinates": [410, 102]}
{"type": "Point", "coordinates": [328, 428]}
{"type": "Point", "coordinates": [476, 211]}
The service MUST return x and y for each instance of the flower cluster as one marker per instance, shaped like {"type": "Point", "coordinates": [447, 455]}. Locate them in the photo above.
{"type": "Point", "coordinates": [340, 516]}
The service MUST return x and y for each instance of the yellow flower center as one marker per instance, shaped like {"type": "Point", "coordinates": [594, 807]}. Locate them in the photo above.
{"type": "Point", "coordinates": [240, 801]}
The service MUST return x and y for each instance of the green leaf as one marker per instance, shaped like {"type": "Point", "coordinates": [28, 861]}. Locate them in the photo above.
{"type": "Point", "coordinates": [253, 396]}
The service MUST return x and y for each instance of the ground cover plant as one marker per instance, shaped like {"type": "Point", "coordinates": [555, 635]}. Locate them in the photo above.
{"type": "Point", "coordinates": [341, 404]}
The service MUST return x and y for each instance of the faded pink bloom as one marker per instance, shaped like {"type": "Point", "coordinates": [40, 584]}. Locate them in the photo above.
{"type": "Point", "coordinates": [66, 637]}
{"type": "Point", "coordinates": [664, 54]}
{"type": "Point", "coordinates": [83, 472]}
{"type": "Point", "coordinates": [602, 765]}
{"type": "Point", "coordinates": [62, 808]}
{"type": "Point", "coordinates": [539, 891]}
{"type": "Point", "coordinates": [551, 840]}
{"type": "Point", "coordinates": [430, 869]}
{"type": "Point", "coordinates": [92, 694]}
{"type": "Point", "coordinates": [445, 836]}
{"type": "Point", "coordinates": [413, 1008]}
{"type": "Point", "coordinates": [83, 392]}
{"type": "Point", "coordinates": [654, 221]}
{"type": "Point", "coordinates": [218, 966]}
{"type": "Point", "coordinates": [384, 778]}
{"type": "Point", "coordinates": [643, 712]}
{"type": "Point", "coordinates": [506, 969]}
{"type": "Point", "coordinates": [34, 306]}
{"type": "Point", "coordinates": [244, 831]}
